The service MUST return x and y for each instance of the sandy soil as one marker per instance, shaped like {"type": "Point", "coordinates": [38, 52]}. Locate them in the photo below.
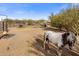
{"type": "Point", "coordinates": [28, 42]}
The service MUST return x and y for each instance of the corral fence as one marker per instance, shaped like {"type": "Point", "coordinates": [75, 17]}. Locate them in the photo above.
{"type": "Point", "coordinates": [3, 24]}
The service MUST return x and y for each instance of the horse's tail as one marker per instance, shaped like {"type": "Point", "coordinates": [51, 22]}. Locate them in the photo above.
{"type": "Point", "coordinates": [46, 41]}
{"type": "Point", "coordinates": [45, 38]}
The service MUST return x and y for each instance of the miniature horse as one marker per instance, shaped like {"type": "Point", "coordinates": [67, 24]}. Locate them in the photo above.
{"type": "Point", "coordinates": [60, 39]}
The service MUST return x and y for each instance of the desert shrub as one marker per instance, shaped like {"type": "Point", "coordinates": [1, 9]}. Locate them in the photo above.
{"type": "Point", "coordinates": [68, 19]}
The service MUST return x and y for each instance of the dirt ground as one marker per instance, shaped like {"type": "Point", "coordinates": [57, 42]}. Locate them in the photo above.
{"type": "Point", "coordinates": [28, 42]}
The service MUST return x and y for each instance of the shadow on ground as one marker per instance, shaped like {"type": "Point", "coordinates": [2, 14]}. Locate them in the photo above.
{"type": "Point", "coordinates": [38, 46]}
{"type": "Point", "coordinates": [54, 29]}
{"type": "Point", "coordinates": [7, 36]}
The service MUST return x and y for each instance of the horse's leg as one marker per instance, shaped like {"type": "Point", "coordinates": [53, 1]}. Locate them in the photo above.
{"type": "Point", "coordinates": [70, 45]}
{"type": "Point", "coordinates": [46, 42]}
{"type": "Point", "coordinates": [46, 45]}
{"type": "Point", "coordinates": [59, 51]}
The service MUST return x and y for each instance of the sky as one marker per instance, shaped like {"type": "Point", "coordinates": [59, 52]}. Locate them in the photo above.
{"type": "Point", "coordinates": [33, 11]}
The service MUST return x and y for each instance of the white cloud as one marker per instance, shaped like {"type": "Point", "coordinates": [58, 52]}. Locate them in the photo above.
{"type": "Point", "coordinates": [2, 17]}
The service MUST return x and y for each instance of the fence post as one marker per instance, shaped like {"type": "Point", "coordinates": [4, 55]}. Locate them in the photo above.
{"type": "Point", "coordinates": [3, 25]}
{"type": "Point", "coordinates": [6, 26]}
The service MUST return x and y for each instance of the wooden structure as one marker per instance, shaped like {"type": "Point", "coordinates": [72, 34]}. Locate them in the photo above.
{"type": "Point", "coordinates": [3, 25]}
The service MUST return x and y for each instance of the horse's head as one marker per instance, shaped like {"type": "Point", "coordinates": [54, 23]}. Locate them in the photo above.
{"type": "Point", "coordinates": [71, 39]}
